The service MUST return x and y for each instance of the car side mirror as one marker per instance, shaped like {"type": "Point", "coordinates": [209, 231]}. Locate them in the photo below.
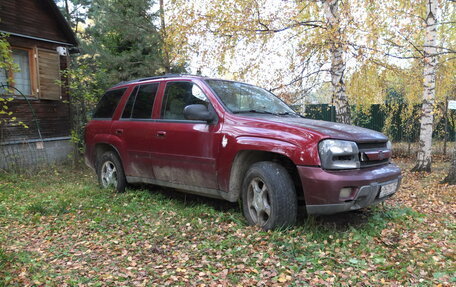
{"type": "Point", "coordinates": [198, 112]}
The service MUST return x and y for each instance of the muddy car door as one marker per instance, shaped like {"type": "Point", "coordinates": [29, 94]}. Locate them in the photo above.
{"type": "Point", "coordinates": [184, 151]}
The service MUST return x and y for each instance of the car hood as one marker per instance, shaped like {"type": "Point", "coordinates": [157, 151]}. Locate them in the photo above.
{"type": "Point", "coordinates": [330, 129]}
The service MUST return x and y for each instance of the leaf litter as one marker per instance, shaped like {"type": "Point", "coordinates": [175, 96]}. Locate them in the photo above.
{"type": "Point", "coordinates": [62, 230]}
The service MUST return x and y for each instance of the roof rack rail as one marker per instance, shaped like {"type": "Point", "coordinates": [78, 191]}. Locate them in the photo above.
{"type": "Point", "coordinates": [151, 78]}
{"type": "Point", "coordinates": [158, 77]}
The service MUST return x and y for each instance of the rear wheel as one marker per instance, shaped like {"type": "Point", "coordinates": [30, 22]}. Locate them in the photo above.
{"type": "Point", "coordinates": [110, 172]}
{"type": "Point", "coordinates": [269, 196]}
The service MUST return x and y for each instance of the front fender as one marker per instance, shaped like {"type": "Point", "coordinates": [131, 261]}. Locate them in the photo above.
{"type": "Point", "coordinates": [266, 144]}
{"type": "Point", "coordinates": [234, 153]}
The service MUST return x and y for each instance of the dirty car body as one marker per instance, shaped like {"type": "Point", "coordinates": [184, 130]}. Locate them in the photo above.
{"type": "Point", "coordinates": [235, 141]}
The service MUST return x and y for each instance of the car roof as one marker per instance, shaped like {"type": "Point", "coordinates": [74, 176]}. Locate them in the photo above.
{"type": "Point", "coordinates": [166, 76]}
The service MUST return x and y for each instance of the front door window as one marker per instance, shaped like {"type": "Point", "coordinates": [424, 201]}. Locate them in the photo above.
{"type": "Point", "coordinates": [177, 96]}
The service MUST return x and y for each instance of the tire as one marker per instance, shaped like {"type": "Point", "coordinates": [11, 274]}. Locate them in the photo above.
{"type": "Point", "coordinates": [269, 196]}
{"type": "Point", "coordinates": [110, 172]}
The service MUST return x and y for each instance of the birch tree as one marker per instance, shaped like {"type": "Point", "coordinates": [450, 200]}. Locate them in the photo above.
{"type": "Point", "coordinates": [338, 66]}
{"type": "Point", "coordinates": [317, 31]}
{"type": "Point", "coordinates": [418, 43]}
{"type": "Point", "coordinates": [424, 156]}
{"type": "Point", "coordinates": [440, 68]}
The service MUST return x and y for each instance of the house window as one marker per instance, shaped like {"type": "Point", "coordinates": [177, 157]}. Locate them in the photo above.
{"type": "Point", "coordinates": [22, 81]}
{"type": "Point", "coordinates": [37, 75]}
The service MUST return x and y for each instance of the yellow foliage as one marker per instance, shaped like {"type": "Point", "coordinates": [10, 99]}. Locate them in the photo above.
{"type": "Point", "coordinates": [239, 39]}
{"type": "Point", "coordinates": [367, 86]}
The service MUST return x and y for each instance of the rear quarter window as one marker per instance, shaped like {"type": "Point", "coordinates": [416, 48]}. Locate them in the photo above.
{"type": "Point", "coordinates": [108, 104]}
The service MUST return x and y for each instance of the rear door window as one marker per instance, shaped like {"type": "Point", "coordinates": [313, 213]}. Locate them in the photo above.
{"type": "Point", "coordinates": [141, 102]}
{"type": "Point", "coordinates": [108, 104]}
{"type": "Point", "coordinates": [129, 105]}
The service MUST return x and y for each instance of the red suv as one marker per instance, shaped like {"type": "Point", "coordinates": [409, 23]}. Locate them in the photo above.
{"type": "Point", "coordinates": [235, 141]}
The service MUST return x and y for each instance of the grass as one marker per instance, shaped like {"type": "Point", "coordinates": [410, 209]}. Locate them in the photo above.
{"type": "Point", "coordinates": [57, 227]}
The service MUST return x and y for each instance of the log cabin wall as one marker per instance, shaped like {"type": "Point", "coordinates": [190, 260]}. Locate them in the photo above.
{"type": "Point", "coordinates": [36, 26]}
{"type": "Point", "coordinates": [53, 116]}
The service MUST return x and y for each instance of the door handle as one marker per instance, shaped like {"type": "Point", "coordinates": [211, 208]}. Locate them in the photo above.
{"type": "Point", "coordinates": [119, 132]}
{"type": "Point", "coordinates": [161, 134]}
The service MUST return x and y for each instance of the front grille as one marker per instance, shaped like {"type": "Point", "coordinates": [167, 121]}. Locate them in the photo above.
{"type": "Point", "coordinates": [373, 154]}
{"type": "Point", "coordinates": [371, 146]}
{"type": "Point", "coordinates": [373, 163]}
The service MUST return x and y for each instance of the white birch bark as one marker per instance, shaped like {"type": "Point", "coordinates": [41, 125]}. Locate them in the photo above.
{"type": "Point", "coordinates": [424, 156]}
{"type": "Point", "coordinates": [339, 97]}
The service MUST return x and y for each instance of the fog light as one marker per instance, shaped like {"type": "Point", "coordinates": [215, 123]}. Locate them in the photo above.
{"type": "Point", "coordinates": [345, 192]}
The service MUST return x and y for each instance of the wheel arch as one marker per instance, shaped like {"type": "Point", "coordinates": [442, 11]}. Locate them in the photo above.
{"type": "Point", "coordinates": [246, 158]}
{"type": "Point", "coordinates": [101, 148]}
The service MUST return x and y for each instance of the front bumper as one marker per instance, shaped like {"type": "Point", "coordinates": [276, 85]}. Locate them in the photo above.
{"type": "Point", "coordinates": [322, 188]}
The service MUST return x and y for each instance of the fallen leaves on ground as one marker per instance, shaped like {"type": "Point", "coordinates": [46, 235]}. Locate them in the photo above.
{"type": "Point", "coordinates": [61, 230]}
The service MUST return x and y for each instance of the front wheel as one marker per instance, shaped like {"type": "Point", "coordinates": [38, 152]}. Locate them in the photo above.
{"type": "Point", "coordinates": [110, 172]}
{"type": "Point", "coordinates": [269, 196]}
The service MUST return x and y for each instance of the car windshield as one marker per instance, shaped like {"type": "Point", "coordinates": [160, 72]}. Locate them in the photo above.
{"type": "Point", "coordinates": [244, 98]}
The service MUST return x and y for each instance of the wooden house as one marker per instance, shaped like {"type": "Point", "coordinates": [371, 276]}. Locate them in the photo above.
{"type": "Point", "coordinates": [41, 41]}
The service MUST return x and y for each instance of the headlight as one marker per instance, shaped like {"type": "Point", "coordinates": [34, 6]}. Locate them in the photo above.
{"type": "Point", "coordinates": [338, 154]}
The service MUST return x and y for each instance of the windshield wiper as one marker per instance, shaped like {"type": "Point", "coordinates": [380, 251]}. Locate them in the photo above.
{"type": "Point", "coordinates": [254, 111]}
{"type": "Point", "coordinates": [287, 114]}
{"type": "Point", "coordinates": [266, 112]}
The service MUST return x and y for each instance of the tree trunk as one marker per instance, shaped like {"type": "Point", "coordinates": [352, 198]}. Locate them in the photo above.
{"type": "Point", "coordinates": [445, 139]}
{"type": "Point", "coordinates": [339, 97]}
{"type": "Point", "coordinates": [451, 177]}
{"type": "Point", "coordinates": [424, 156]}
{"type": "Point", "coordinates": [67, 13]}
{"type": "Point", "coordinates": [166, 61]}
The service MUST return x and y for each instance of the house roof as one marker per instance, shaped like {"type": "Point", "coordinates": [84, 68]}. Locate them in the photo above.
{"type": "Point", "coordinates": [36, 19]}
{"type": "Point", "coordinates": [66, 29]}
